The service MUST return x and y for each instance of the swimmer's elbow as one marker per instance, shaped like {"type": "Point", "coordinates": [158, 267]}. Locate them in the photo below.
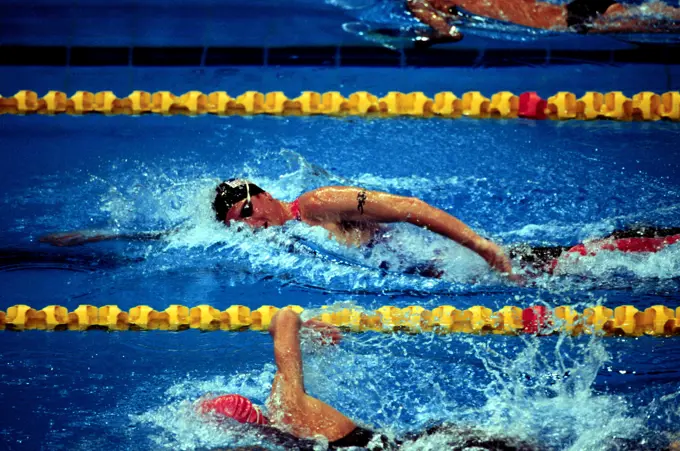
{"type": "Point", "coordinates": [413, 210]}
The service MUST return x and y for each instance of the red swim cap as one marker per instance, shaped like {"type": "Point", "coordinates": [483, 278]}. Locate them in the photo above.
{"type": "Point", "coordinates": [234, 406]}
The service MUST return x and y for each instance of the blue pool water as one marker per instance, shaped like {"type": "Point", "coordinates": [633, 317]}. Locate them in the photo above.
{"type": "Point", "coordinates": [514, 181]}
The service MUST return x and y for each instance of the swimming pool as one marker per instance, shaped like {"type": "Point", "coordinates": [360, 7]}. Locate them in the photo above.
{"type": "Point", "coordinates": [538, 182]}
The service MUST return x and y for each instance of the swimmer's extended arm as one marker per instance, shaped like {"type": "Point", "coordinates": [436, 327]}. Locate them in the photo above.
{"type": "Point", "coordinates": [342, 204]}
{"type": "Point", "coordinates": [80, 237]}
{"type": "Point", "coordinates": [427, 14]}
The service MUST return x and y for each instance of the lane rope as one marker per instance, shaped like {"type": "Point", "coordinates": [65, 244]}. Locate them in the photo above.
{"type": "Point", "coordinates": [624, 320]}
{"type": "Point", "coordinates": [644, 106]}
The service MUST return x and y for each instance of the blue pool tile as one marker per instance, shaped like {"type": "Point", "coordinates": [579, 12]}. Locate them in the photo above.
{"type": "Point", "coordinates": [433, 57]}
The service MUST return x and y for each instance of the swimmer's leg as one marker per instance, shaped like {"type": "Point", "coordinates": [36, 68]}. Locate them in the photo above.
{"type": "Point", "coordinates": [651, 17]}
{"type": "Point", "coordinates": [644, 232]}
{"type": "Point", "coordinates": [80, 237]}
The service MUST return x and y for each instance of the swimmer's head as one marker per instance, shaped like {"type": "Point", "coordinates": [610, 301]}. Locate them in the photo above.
{"type": "Point", "coordinates": [242, 201]}
{"type": "Point", "coordinates": [236, 407]}
{"type": "Point", "coordinates": [231, 192]}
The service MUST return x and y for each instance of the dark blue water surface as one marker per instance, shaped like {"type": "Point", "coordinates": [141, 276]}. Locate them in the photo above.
{"type": "Point", "coordinates": [517, 181]}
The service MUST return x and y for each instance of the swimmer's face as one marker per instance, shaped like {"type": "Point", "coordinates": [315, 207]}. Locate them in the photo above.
{"type": "Point", "coordinates": [265, 212]}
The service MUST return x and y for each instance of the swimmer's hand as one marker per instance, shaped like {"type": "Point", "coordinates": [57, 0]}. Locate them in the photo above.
{"type": "Point", "coordinates": [326, 334]}
{"type": "Point", "coordinates": [497, 259]}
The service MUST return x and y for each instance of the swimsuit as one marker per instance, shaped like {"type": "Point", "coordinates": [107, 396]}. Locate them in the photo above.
{"type": "Point", "coordinates": [361, 438]}
{"type": "Point", "coordinates": [580, 13]}
{"type": "Point", "coordinates": [295, 209]}
{"type": "Point", "coordinates": [644, 239]}
{"type": "Point", "coordinates": [358, 437]}
{"type": "Point", "coordinates": [632, 244]}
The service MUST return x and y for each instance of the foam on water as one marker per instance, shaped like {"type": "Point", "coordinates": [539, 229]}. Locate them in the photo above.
{"type": "Point", "coordinates": [547, 395]}
{"type": "Point", "coordinates": [178, 425]}
{"type": "Point", "coordinates": [664, 264]}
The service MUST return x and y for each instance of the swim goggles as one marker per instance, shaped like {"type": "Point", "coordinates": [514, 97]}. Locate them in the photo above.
{"type": "Point", "coordinates": [247, 208]}
{"type": "Point", "coordinates": [233, 191]}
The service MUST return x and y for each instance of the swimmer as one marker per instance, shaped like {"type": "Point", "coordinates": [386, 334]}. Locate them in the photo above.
{"type": "Point", "coordinates": [298, 421]}
{"type": "Point", "coordinates": [353, 216]}
{"type": "Point", "coordinates": [580, 16]}
{"type": "Point", "coordinates": [548, 259]}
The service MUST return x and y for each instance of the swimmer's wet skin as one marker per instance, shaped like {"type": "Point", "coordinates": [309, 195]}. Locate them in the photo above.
{"type": "Point", "coordinates": [352, 215]}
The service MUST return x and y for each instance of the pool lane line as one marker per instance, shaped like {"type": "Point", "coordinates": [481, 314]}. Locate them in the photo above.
{"type": "Point", "coordinates": [643, 106]}
{"type": "Point", "coordinates": [624, 320]}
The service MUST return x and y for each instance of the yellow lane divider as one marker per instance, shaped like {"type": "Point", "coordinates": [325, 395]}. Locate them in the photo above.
{"type": "Point", "coordinates": [624, 320]}
{"type": "Point", "coordinates": [647, 106]}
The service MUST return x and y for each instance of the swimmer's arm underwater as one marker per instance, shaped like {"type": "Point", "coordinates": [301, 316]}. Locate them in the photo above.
{"type": "Point", "coordinates": [337, 204]}
{"type": "Point", "coordinates": [80, 237]}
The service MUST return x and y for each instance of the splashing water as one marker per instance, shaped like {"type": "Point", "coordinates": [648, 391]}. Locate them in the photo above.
{"type": "Point", "coordinates": [178, 425]}
{"type": "Point", "coordinates": [547, 395]}
{"type": "Point", "coordinates": [540, 390]}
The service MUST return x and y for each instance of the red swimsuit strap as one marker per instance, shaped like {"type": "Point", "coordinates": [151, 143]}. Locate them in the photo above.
{"type": "Point", "coordinates": [295, 209]}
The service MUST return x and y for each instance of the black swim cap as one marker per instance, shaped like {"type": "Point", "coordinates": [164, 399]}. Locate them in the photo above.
{"type": "Point", "coordinates": [231, 192]}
